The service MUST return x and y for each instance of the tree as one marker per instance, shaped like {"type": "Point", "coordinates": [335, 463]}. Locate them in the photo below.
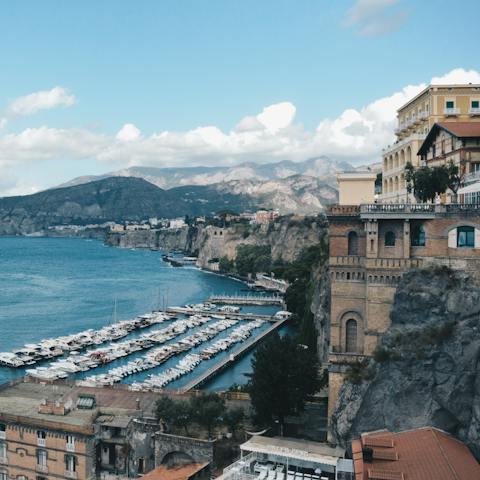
{"type": "Point", "coordinates": [208, 410]}
{"type": "Point", "coordinates": [233, 418]}
{"type": "Point", "coordinates": [284, 375]}
{"type": "Point", "coordinates": [182, 415]}
{"type": "Point", "coordinates": [164, 409]}
{"type": "Point", "coordinates": [226, 265]}
{"type": "Point", "coordinates": [428, 182]}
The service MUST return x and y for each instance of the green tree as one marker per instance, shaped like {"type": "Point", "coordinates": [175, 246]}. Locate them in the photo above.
{"type": "Point", "coordinates": [164, 409]}
{"type": "Point", "coordinates": [182, 415]}
{"type": "Point", "coordinates": [226, 265]}
{"type": "Point", "coordinates": [253, 259]}
{"type": "Point", "coordinates": [208, 410]}
{"type": "Point", "coordinates": [233, 418]}
{"type": "Point", "coordinates": [284, 375]}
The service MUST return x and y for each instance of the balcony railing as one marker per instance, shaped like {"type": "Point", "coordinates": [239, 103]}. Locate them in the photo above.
{"type": "Point", "coordinates": [42, 468]}
{"type": "Point", "coordinates": [472, 176]}
{"type": "Point", "coordinates": [3, 461]}
{"type": "Point", "coordinates": [474, 111]}
{"type": "Point", "coordinates": [451, 111]}
{"type": "Point", "coordinates": [3, 434]}
{"type": "Point", "coordinates": [41, 442]}
{"type": "Point", "coordinates": [71, 474]}
{"type": "Point", "coordinates": [397, 208]}
{"type": "Point", "coordinates": [343, 210]}
{"type": "Point", "coordinates": [70, 447]}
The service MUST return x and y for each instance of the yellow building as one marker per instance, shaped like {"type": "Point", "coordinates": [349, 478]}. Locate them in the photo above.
{"type": "Point", "coordinates": [356, 187]}
{"type": "Point", "coordinates": [445, 103]}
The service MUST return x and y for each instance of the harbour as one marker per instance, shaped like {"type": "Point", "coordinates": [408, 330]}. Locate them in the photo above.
{"type": "Point", "coordinates": [189, 339]}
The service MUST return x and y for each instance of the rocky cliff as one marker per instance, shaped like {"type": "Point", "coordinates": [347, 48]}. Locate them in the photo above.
{"type": "Point", "coordinates": [427, 369]}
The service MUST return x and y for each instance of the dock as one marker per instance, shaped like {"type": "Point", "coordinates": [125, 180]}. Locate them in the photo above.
{"type": "Point", "coordinates": [233, 357]}
{"type": "Point", "coordinates": [247, 299]}
{"type": "Point", "coordinates": [237, 316]}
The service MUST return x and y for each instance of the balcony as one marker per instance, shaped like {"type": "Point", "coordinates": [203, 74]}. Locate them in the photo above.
{"type": "Point", "coordinates": [415, 210]}
{"type": "Point", "coordinates": [3, 434]}
{"type": "Point", "coordinates": [347, 260]}
{"type": "Point", "coordinates": [451, 112]}
{"type": "Point", "coordinates": [343, 210]}
{"type": "Point", "coordinates": [70, 447]}
{"type": "Point", "coordinates": [41, 469]}
{"type": "Point", "coordinates": [474, 111]}
{"type": "Point", "coordinates": [42, 442]}
{"type": "Point", "coordinates": [71, 474]}
{"type": "Point", "coordinates": [3, 461]}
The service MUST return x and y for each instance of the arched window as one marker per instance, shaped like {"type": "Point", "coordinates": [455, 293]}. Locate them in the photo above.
{"type": "Point", "coordinates": [390, 239]}
{"type": "Point", "coordinates": [352, 243]}
{"type": "Point", "coordinates": [417, 238]}
{"type": "Point", "coordinates": [351, 336]}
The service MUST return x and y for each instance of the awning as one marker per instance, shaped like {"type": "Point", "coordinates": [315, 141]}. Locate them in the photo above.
{"type": "Point", "coordinates": [473, 188]}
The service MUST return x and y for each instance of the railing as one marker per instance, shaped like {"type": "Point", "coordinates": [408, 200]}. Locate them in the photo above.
{"type": "Point", "coordinates": [462, 207]}
{"type": "Point", "coordinates": [70, 447]}
{"type": "Point", "coordinates": [71, 474]}
{"type": "Point", "coordinates": [3, 434]}
{"type": "Point", "coordinates": [41, 442]}
{"type": "Point", "coordinates": [398, 208]}
{"type": "Point", "coordinates": [451, 111]}
{"type": "Point", "coordinates": [393, 263]}
{"type": "Point", "coordinates": [41, 468]}
{"type": "Point", "coordinates": [474, 111]}
{"type": "Point", "coordinates": [472, 176]}
{"type": "Point", "coordinates": [241, 463]}
{"type": "Point", "coordinates": [3, 461]}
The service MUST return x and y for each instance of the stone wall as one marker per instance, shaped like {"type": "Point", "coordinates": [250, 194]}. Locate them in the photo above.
{"type": "Point", "coordinates": [177, 449]}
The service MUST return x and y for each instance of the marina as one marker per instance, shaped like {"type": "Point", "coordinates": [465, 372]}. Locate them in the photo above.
{"type": "Point", "coordinates": [90, 345]}
{"type": "Point", "coordinates": [247, 299]}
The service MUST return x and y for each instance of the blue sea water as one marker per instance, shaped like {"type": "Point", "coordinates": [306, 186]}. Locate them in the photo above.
{"type": "Point", "coordinates": [56, 286]}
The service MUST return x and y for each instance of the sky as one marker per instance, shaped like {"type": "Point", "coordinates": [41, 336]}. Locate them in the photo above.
{"type": "Point", "coordinates": [94, 86]}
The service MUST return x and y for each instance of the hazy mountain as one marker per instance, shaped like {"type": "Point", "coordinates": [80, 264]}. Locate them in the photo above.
{"type": "Point", "coordinates": [112, 199]}
{"type": "Point", "coordinates": [320, 167]}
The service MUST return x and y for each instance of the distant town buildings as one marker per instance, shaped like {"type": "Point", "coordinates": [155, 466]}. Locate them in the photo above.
{"type": "Point", "coordinates": [263, 217]}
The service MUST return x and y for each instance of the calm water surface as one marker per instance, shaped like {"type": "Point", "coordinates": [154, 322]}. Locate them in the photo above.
{"type": "Point", "coordinates": [56, 286]}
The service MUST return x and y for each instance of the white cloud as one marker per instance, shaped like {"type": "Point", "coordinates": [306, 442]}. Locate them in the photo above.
{"type": "Point", "coordinates": [273, 134]}
{"type": "Point", "coordinates": [42, 100]}
{"type": "Point", "coordinates": [3, 122]}
{"type": "Point", "coordinates": [375, 17]}
{"type": "Point", "coordinates": [128, 133]}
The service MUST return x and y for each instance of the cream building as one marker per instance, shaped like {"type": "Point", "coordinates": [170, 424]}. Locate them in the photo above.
{"type": "Point", "coordinates": [445, 103]}
{"type": "Point", "coordinates": [356, 187]}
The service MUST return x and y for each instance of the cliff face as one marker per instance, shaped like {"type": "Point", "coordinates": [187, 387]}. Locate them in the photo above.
{"type": "Point", "coordinates": [167, 240]}
{"type": "Point", "coordinates": [320, 307]}
{"type": "Point", "coordinates": [427, 369]}
{"type": "Point", "coordinates": [286, 237]}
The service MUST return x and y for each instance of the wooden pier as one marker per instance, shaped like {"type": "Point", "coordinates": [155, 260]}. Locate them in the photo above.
{"type": "Point", "coordinates": [247, 299]}
{"type": "Point", "coordinates": [233, 357]}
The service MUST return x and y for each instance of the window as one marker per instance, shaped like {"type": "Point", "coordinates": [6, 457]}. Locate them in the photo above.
{"type": "Point", "coordinates": [449, 104]}
{"type": "Point", "coordinates": [465, 237]}
{"type": "Point", "coordinates": [42, 458]}
{"type": "Point", "coordinates": [352, 243]}
{"type": "Point", "coordinates": [475, 104]}
{"type": "Point", "coordinates": [351, 336]}
{"type": "Point", "coordinates": [70, 442]}
{"type": "Point", "coordinates": [70, 463]}
{"type": "Point", "coordinates": [3, 450]}
{"type": "Point", "coordinates": [3, 475]}
{"type": "Point", "coordinates": [141, 465]}
{"type": "Point", "coordinates": [390, 239]}
{"type": "Point", "coordinates": [417, 238]}
{"type": "Point", "coordinates": [41, 437]}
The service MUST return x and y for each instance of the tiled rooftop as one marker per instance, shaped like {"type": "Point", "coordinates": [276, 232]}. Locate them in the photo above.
{"type": "Point", "coordinates": [421, 454]}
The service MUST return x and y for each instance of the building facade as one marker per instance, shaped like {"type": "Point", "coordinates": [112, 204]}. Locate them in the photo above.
{"type": "Point", "coordinates": [371, 247]}
{"type": "Point", "coordinates": [435, 104]}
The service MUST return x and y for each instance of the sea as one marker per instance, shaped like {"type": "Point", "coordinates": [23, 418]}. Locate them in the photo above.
{"type": "Point", "coordinates": [56, 286]}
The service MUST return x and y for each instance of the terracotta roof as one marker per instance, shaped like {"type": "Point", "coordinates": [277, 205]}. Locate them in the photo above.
{"type": "Point", "coordinates": [421, 454]}
{"type": "Point", "coordinates": [462, 129]}
{"type": "Point", "coordinates": [180, 472]}
{"type": "Point", "coordinates": [458, 129]}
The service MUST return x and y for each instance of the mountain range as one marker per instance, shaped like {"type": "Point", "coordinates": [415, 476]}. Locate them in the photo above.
{"type": "Point", "coordinates": [138, 193]}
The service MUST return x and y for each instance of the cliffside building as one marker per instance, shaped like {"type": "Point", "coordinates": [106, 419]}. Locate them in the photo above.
{"type": "Point", "coordinates": [371, 247]}
{"type": "Point", "coordinates": [436, 104]}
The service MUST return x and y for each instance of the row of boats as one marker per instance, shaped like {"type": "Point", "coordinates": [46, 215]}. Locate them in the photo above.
{"type": "Point", "coordinates": [157, 356]}
{"type": "Point", "coordinates": [192, 360]}
{"type": "Point", "coordinates": [91, 359]}
{"type": "Point", "coordinates": [50, 348]}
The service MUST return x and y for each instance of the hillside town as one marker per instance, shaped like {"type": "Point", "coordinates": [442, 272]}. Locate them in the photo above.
{"type": "Point", "coordinates": [425, 216]}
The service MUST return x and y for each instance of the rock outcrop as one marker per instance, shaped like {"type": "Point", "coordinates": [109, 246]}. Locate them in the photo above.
{"type": "Point", "coordinates": [427, 369]}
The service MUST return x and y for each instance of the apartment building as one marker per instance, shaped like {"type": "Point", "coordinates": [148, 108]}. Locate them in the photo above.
{"type": "Point", "coordinates": [435, 104]}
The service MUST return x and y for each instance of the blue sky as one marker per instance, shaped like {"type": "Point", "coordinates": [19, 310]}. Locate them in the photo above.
{"type": "Point", "coordinates": [198, 67]}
